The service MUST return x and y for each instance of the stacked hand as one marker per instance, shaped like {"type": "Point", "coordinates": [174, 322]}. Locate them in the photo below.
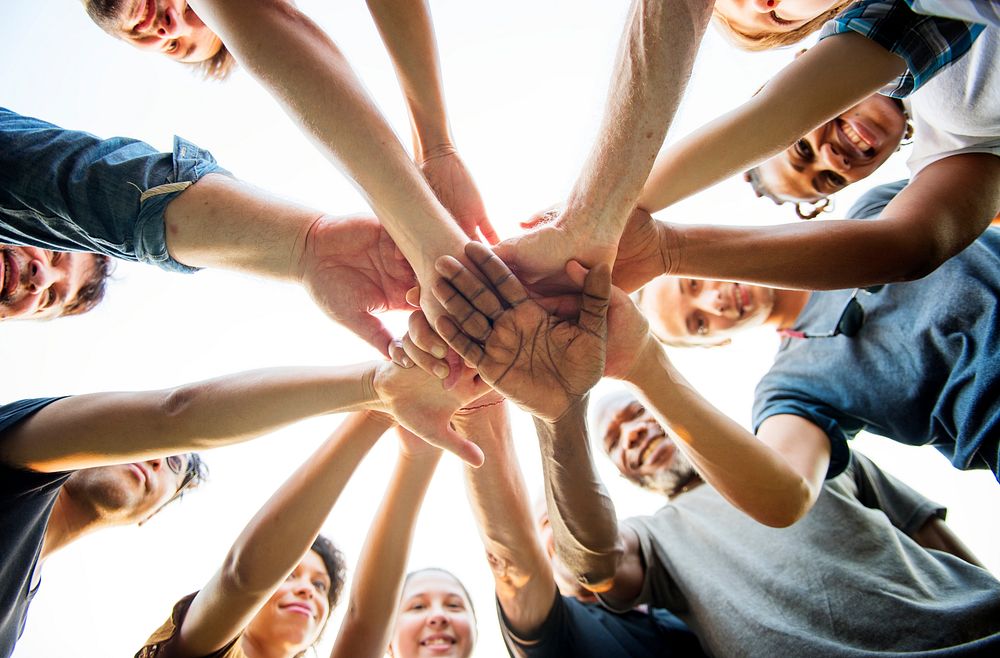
{"type": "Point", "coordinates": [541, 362]}
{"type": "Point", "coordinates": [453, 186]}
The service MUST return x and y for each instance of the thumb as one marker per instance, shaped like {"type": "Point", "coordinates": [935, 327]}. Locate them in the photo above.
{"type": "Point", "coordinates": [413, 296]}
{"type": "Point", "coordinates": [466, 450]}
{"type": "Point", "coordinates": [596, 296]}
{"type": "Point", "coordinates": [370, 329]}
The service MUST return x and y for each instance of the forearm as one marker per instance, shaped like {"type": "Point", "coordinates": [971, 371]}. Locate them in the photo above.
{"type": "Point", "coordinates": [501, 504]}
{"type": "Point", "coordinates": [106, 428]}
{"type": "Point", "coordinates": [378, 582]}
{"type": "Point", "coordinates": [789, 106]}
{"type": "Point", "coordinates": [815, 255]}
{"type": "Point", "coordinates": [582, 515]}
{"type": "Point", "coordinates": [654, 62]}
{"type": "Point", "coordinates": [408, 34]}
{"type": "Point", "coordinates": [750, 474]}
{"type": "Point", "coordinates": [278, 536]}
{"type": "Point", "coordinates": [296, 61]}
{"type": "Point", "coordinates": [936, 534]}
{"type": "Point", "coordinates": [224, 223]}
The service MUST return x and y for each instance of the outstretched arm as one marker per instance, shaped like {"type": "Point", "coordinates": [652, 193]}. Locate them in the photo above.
{"type": "Point", "coordinates": [378, 582]}
{"type": "Point", "coordinates": [275, 540]}
{"type": "Point", "coordinates": [851, 68]}
{"type": "Point", "coordinates": [408, 34]}
{"type": "Point", "coordinates": [501, 504]}
{"type": "Point", "coordinates": [305, 71]}
{"type": "Point", "coordinates": [654, 61]}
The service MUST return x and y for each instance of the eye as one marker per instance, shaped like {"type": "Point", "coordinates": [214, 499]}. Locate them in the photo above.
{"type": "Point", "coordinates": [700, 326]}
{"type": "Point", "coordinates": [777, 19]}
{"type": "Point", "coordinates": [804, 150]}
{"type": "Point", "coordinates": [835, 179]}
{"type": "Point", "coordinates": [321, 586]}
{"type": "Point", "coordinates": [694, 285]}
{"type": "Point", "coordinates": [175, 464]}
{"type": "Point", "coordinates": [171, 47]}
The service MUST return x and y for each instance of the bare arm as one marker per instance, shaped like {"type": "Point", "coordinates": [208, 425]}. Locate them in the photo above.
{"type": "Point", "coordinates": [303, 69]}
{"type": "Point", "coordinates": [938, 535]}
{"type": "Point", "coordinates": [774, 478]}
{"type": "Point", "coordinates": [378, 582]}
{"type": "Point", "coordinates": [501, 504]}
{"type": "Point", "coordinates": [943, 210]}
{"type": "Point", "coordinates": [109, 428]}
{"type": "Point", "coordinates": [275, 540]}
{"type": "Point", "coordinates": [850, 67]}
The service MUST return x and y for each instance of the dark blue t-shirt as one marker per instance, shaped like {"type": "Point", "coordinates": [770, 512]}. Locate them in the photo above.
{"type": "Point", "coordinates": [924, 369]}
{"type": "Point", "coordinates": [586, 630]}
{"type": "Point", "coordinates": [26, 500]}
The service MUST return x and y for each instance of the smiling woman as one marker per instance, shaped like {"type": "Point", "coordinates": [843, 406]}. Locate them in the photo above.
{"type": "Point", "coordinates": [435, 618]}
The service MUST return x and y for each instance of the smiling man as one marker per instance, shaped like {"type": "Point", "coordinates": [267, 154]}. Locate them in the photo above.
{"type": "Point", "coordinates": [39, 284]}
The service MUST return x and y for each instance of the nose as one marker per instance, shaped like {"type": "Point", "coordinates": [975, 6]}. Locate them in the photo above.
{"type": "Point", "coordinates": [711, 301]}
{"type": "Point", "coordinates": [40, 276]}
{"type": "Point", "coordinates": [834, 159]}
{"type": "Point", "coordinates": [764, 6]}
{"type": "Point", "coordinates": [170, 25]}
{"type": "Point", "coordinates": [155, 464]}
{"type": "Point", "coordinates": [304, 588]}
{"type": "Point", "coordinates": [438, 620]}
{"type": "Point", "coordinates": [634, 433]}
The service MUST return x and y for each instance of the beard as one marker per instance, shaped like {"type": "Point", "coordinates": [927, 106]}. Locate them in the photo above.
{"type": "Point", "coordinates": [671, 480]}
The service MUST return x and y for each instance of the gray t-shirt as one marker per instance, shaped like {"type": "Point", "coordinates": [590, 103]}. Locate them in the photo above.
{"type": "Point", "coordinates": [844, 581]}
{"type": "Point", "coordinates": [923, 369]}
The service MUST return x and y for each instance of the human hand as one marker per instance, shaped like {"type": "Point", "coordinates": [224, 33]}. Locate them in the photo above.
{"type": "Point", "coordinates": [414, 448]}
{"type": "Point", "coordinates": [419, 403]}
{"type": "Point", "coordinates": [540, 362]}
{"type": "Point", "coordinates": [642, 254]}
{"type": "Point", "coordinates": [453, 186]}
{"type": "Point", "coordinates": [352, 269]}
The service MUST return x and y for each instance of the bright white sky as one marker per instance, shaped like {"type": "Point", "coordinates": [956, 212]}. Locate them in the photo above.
{"type": "Point", "coordinates": [525, 85]}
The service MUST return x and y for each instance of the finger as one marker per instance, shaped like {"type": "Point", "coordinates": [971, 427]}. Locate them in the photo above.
{"type": "Point", "coordinates": [466, 348]}
{"type": "Point", "coordinates": [576, 272]}
{"type": "Point", "coordinates": [486, 228]}
{"type": "Point", "coordinates": [371, 330]}
{"type": "Point", "coordinates": [456, 368]}
{"type": "Point", "coordinates": [466, 450]}
{"type": "Point", "coordinates": [424, 360]}
{"type": "Point", "coordinates": [398, 354]}
{"type": "Point", "coordinates": [540, 219]}
{"type": "Point", "coordinates": [462, 293]}
{"type": "Point", "coordinates": [413, 296]}
{"type": "Point", "coordinates": [473, 323]}
{"type": "Point", "coordinates": [596, 297]}
{"type": "Point", "coordinates": [424, 337]}
{"type": "Point", "coordinates": [497, 273]}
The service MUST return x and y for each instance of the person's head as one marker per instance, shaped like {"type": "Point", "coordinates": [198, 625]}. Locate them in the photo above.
{"type": "Point", "coordinates": [436, 617]}
{"type": "Point", "coordinates": [167, 27]}
{"type": "Point", "coordinates": [765, 24]}
{"type": "Point", "coordinates": [38, 284]}
{"type": "Point", "coordinates": [637, 445]}
{"type": "Point", "coordinates": [124, 494]}
{"type": "Point", "coordinates": [691, 312]}
{"type": "Point", "coordinates": [842, 151]}
{"type": "Point", "coordinates": [294, 617]}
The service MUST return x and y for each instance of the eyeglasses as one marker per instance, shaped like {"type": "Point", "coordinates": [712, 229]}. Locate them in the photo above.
{"type": "Point", "coordinates": [176, 464]}
{"type": "Point", "coordinates": [848, 324]}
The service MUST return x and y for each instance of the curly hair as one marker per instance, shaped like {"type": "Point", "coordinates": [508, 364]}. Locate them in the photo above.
{"type": "Point", "coordinates": [92, 290]}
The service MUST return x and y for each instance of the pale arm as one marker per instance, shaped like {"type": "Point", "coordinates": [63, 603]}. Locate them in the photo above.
{"type": "Point", "coordinates": [276, 539]}
{"type": "Point", "coordinates": [303, 69]}
{"type": "Point", "coordinates": [501, 504]}
{"type": "Point", "coordinates": [833, 75]}
{"type": "Point", "coordinates": [408, 34]}
{"type": "Point", "coordinates": [110, 428]}
{"type": "Point", "coordinates": [378, 582]}
{"type": "Point", "coordinates": [943, 210]}
{"type": "Point", "coordinates": [773, 478]}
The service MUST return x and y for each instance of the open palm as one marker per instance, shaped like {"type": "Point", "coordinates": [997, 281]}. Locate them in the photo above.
{"type": "Point", "coordinates": [539, 361]}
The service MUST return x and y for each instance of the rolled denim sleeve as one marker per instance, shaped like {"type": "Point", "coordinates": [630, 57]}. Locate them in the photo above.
{"type": "Point", "coordinates": [68, 190]}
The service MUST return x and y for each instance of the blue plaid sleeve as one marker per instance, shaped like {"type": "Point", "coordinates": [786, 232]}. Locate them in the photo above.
{"type": "Point", "coordinates": [926, 43]}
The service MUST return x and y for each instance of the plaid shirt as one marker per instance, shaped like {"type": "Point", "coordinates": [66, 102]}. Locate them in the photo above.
{"type": "Point", "coordinates": [926, 43]}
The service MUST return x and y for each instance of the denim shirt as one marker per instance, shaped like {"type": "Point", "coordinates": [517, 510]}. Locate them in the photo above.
{"type": "Point", "coordinates": [68, 190]}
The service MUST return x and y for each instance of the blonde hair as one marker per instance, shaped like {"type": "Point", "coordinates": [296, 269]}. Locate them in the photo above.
{"type": "Point", "coordinates": [767, 40]}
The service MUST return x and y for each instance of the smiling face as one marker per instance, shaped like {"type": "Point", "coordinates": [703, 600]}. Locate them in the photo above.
{"type": "Point", "coordinates": [127, 493]}
{"type": "Point", "coordinates": [755, 17]}
{"type": "Point", "coordinates": [293, 617]}
{"type": "Point", "coordinates": [38, 284]}
{"type": "Point", "coordinates": [639, 448]}
{"type": "Point", "coordinates": [842, 151]}
{"type": "Point", "coordinates": [435, 618]}
{"type": "Point", "coordinates": [700, 312]}
{"type": "Point", "coordinates": [168, 27]}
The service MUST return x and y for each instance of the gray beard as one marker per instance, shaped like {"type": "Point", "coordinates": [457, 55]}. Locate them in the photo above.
{"type": "Point", "coordinates": [671, 480]}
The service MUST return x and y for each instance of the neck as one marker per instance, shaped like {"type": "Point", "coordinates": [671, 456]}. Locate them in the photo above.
{"type": "Point", "coordinates": [255, 647]}
{"type": "Point", "coordinates": [787, 306]}
{"type": "Point", "coordinates": [68, 522]}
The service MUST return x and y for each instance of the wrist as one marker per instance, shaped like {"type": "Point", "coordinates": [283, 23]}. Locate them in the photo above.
{"type": "Point", "coordinates": [647, 365]}
{"type": "Point", "coordinates": [669, 239]}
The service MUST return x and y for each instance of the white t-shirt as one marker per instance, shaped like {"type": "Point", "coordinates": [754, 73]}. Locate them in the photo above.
{"type": "Point", "coordinates": [974, 11]}
{"type": "Point", "coordinates": [958, 111]}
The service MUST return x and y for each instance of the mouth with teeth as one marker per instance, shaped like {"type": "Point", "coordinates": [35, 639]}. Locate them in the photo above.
{"type": "Point", "coordinates": [655, 452]}
{"type": "Point", "coordinates": [439, 642]}
{"type": "Point", "coordinates": [8, 275]}
{"type": "Point", "coordinates": [857, 139]}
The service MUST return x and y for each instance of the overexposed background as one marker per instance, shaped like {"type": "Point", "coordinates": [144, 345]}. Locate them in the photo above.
{"type": "Point", "coordinates": [525, 84]}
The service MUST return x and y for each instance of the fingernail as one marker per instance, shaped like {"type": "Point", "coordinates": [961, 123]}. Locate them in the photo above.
{"type": "Point", "coordinates": [439, 351]}
{"type": "Point", "coordinates": [441, 371]}
{"type": "Point", "coordinates": [406, 362]}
